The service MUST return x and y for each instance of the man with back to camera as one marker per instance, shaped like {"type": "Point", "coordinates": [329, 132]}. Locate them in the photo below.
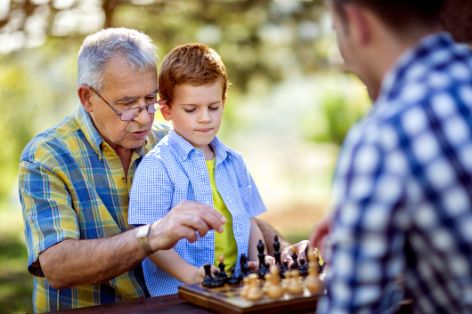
{"type": "Point", "coordinates": [403, 204]}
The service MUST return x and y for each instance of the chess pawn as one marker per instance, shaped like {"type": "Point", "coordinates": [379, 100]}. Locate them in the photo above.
{"type": "Point", "coordinates": [244, 289]}
{"type": "Point", "coordinates": [267, 283]}
{"type": "Point", "coordinates": [312, 281]}
{"type": "Point", "coordinates": [295, 285]}
{"type": "Point", "coordinates": [273, 286]}
{"type": "Point", "coordinates": [254, 291]}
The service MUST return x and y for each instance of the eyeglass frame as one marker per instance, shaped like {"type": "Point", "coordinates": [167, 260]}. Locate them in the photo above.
{"type": "Point", "coordinates": [120, 114]}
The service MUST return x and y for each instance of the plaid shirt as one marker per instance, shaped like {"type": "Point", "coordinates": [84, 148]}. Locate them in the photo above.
{"type": "Point", "coordinates": [175, 171]}
{"type": "Point", "coordinates": [72, 186]}
{"type": "Point", "coordinates": [403, 191]}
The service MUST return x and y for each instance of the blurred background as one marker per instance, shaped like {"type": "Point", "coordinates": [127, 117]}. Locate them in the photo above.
{"type": "Point", "coordinates": [288, 110]}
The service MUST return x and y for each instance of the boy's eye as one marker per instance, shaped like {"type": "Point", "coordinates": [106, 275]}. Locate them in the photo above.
{"type": "Point", "coordinates": [214, 108]}
{"type": "Point", "coordinates": [189, 110]}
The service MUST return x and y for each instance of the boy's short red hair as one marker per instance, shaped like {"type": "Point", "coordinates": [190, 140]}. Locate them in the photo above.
{"type": "Point", "coordinates": [195, 64]}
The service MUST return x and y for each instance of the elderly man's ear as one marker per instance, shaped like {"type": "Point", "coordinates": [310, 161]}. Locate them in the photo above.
{"type": "Point", "coordinates": [84, 92]}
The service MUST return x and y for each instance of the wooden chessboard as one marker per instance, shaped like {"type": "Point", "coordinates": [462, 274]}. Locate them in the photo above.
{"type": "Point", "coordinates": [227, 300]}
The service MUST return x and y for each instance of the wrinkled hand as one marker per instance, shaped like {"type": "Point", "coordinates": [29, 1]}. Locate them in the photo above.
{"type": "Point", "coordinates": [187, 220]}
{"type": "Point", "coordinates": [320, 231]}
{"type": "Point", "coordinates": [299, 248]}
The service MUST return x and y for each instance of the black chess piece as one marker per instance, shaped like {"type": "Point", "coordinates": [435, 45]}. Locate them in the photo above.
{"type": "Point", "coordinates": [209, 281]}
{"type": "Point", "coordinates": [263, 267]}
{"type": "Point", "coordinates": [303, 268]}
{"type": "Point", "coordinates": [245, 269]}
{"type": "Point", "coordinates": [277, 254]}
{"type": "Point", "coordinates": [222, 275]}
{"type": "Point", "coordinates": [294, 256]}
{"type": "Point", "coordinates": [283, 269]}
{"type": "Point", "coordinates": [234, 280]}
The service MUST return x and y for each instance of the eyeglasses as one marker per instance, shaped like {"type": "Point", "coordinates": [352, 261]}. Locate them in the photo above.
{"type": "Point", "coordinates": [131, 113]}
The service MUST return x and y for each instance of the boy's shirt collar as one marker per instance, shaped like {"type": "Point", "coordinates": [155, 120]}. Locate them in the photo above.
{"type": "Point", "coordinates": [184, 149]}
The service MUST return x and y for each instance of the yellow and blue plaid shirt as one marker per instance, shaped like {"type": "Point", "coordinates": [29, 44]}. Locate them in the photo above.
{"type": "Point", "coordinates": [72, 186]}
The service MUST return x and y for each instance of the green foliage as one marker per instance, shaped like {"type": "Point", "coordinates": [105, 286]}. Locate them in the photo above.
{"type": "Point", "coordinates": [341, 103]}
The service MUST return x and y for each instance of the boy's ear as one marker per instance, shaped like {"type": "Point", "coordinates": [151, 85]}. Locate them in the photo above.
{"type": "Point", "coordinates": [165, 110]}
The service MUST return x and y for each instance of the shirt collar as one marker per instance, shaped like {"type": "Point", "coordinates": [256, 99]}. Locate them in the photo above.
{"type": "Point", "coordinates": [184, 149]}
{"type": "Point", "coordinates": [90, 131]}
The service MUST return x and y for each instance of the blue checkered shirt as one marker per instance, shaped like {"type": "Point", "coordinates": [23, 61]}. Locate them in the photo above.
{"type": "Point", "coordinates": [403, 191]}
{"type": "Point", "coordinates": [175, 171]}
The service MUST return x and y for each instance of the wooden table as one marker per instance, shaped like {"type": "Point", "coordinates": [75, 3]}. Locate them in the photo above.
{"type": "Point", "coordinates": [166, 304]}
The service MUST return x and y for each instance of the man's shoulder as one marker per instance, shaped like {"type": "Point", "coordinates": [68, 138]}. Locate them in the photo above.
{"type": "Point", "coordinates": [51, 142]}
{"type": "Point", "coordinates": [158, 132]}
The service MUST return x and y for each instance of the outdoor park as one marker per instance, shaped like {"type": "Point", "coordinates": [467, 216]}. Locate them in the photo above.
{"type": "Point", "coordinates": [289, 105]}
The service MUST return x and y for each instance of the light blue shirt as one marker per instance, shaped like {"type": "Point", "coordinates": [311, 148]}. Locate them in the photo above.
{"type": "Point", "coordinates": [175, 171]}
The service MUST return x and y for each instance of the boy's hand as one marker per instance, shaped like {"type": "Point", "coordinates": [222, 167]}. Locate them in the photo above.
{"type": "Point", "coordinates": [199, 274]}
{"type": "Point", "coordinates": [269, 260]}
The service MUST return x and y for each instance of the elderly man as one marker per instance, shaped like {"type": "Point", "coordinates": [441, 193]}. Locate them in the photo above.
{"type": "Point", "coordinates": [74, 181]}
{"type": "Point", "coordinates": [402, 186]}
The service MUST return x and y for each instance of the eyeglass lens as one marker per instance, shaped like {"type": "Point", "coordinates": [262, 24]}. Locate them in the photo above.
{"type": "Point", "coordinates": [130, 114]}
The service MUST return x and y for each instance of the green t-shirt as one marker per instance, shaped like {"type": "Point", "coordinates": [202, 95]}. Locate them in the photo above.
{"type": "Point", "coordinates": [225, 243]}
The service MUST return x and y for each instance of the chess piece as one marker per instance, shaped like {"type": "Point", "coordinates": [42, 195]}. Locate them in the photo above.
{"type": "Point", "coordinates": [222, 275]}
{"type": "Point", "coordinates": [273, 286]}
{"type": "Point", "coordinates": [294, 256]}
{"type": "Point", "coordinates": [254, 291]}
{"type": "Point", "coordinates": [295, 285]}
{"type": "Point", "coordinates": [320, 261]}
{"type": "Point", "coordinates": [263, 267]}
{"type": "Point", "coordinates": [243, 262]}
{"type": "Point", "coordinates": [312, 281]}
{"type": "Point", "coordinates": [277, 253]}
{"type": "Point", "coordinates": [244, 289]}
{"type": "Point", "coordinates": [303, 268]}
{"type": "Point", "coordinates": [209, 281]}
{"type": "Point", "coordinates": [283, 269]}
{"type": "Point", "coordinates": [234, 280]}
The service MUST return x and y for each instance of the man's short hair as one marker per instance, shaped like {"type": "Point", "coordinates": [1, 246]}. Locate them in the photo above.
{"type": "Point", "coordinates": [195, 64]}
{"type": "Point", "coordinates": [98, 48]}
{"type": "Point", "coordinates": [399, 15]}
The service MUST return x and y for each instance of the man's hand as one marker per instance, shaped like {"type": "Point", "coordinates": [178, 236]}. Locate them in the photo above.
{"type": "Point", "coordinates": [187, 220]}
{"type": "Point", "coordinates": [321, 230]}
{"type": "Point", "coordinates": [299, 248]}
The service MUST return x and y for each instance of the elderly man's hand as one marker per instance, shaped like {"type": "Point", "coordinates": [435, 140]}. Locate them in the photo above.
{"type": "Point", "coordinates": [299, 248]}
{"type": "Point", "coordinates": [187, 220]}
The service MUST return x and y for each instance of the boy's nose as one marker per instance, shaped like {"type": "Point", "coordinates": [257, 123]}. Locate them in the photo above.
{"type": "Point", "coordinates": [204, 116]}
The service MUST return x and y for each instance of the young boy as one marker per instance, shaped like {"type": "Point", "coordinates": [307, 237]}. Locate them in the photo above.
{"type": "Point", "coordinates": [191, 163]}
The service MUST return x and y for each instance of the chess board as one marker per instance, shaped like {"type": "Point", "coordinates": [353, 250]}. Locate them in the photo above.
{"type": "Point", "coordinates": [226, 299]}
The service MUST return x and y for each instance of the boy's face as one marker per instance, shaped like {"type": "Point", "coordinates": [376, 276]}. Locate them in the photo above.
{"type": "Point", "coordinates": [196, 112]}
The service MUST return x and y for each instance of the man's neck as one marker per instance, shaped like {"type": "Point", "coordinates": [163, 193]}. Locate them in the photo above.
{"type": "Point", "coordinates": [390, 49]}
{"type": "Point", "coordinates": [125, 155]}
